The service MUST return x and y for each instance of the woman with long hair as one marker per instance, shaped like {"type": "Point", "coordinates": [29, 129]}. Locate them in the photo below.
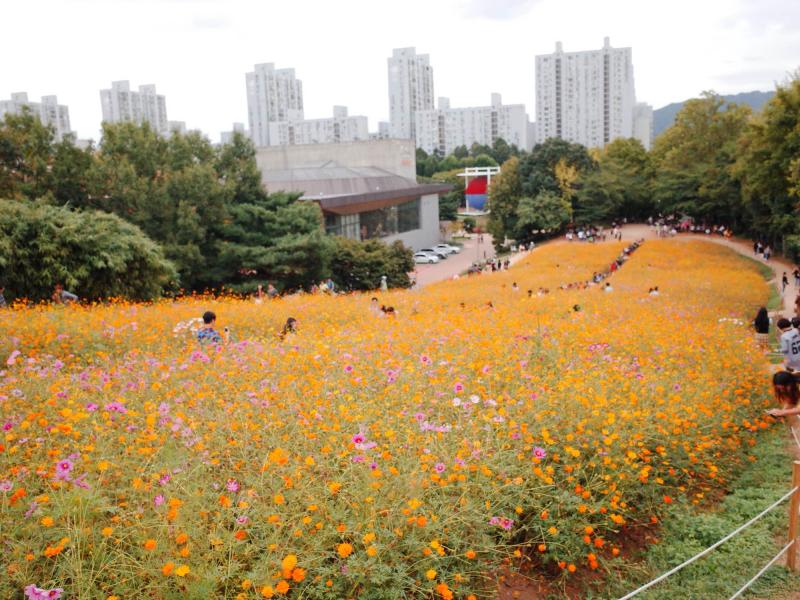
{"type": "Point", "coordinates": [787, 393]}
{"type": "Point", "coordinates": [761, 325]}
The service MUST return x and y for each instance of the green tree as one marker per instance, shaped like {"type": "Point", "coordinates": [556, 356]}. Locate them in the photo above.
{"type": "Point", "coordinates": [538, 169]}
{"type": "Point", "coordinates": [94, 254]}
{"type": "Point", "coordinates": [694, 161]}
{"type": "Point", "coordinates": [548, 212]}
{"type": "Point", "coordinates": [620, 186]}
{"type": "Point", "coordinates": [504, 194]}
{"type": "Point", "coordinates": [485, 160]}
{"type": "Point", "coordinates": [461, 152]}
{"type": "Point", "coordinates": [358, 265]}
{"type": "Point", "coordinates": [767, 168]}
{"type": "Point", "coordinates": [501, 151]}
{"type": "Point", "coordinates": [26, 156]}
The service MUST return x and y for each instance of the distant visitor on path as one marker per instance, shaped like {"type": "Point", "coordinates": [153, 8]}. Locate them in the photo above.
{"type": "Point", "coordinates": [384, 284]}
{"type": "Point", "coordinates": [3, 303]}
{"type": "Point", "coordinates": [207, 333]}
{"type": "Point", "coordinates": [784, 282]}
{"type": "Point", "coordinates": [62, 296]}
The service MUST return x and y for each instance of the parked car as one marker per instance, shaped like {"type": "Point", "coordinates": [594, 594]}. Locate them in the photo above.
{"type": "Point", "coordinates": [442, 255]}
{"type": "Point", "coordinates": [447, 248]}
{"type": "Point", "coordinates": [425, 258]}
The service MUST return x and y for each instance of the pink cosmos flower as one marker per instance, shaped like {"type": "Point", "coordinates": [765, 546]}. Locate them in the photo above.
{"type": "Point", "coordinates": [36, 593]}
{"type": "Point", "coordinates": [91, 407]}
{"type": "Point", "coordinates": [439, 467]}
{"type": "Point", "coordinates": [158, 500]}
{"type": "Point", "coordinates": [539, 452]}
{"type": "Point", "coordinates": [458, 387]}
{"type": "Point", "coordinates": [63, 469]}
{"type": "Point", "coordinates": [232, 485]}
{"type": "Point", "coordinates": [116, 407]}
{"type": "Point", "coordinates": [425, 359]}
{"type": "Point", "coordinates": [348, 369]}
{"type": "Point", "coordinates": [13, 357]}
{"type": "Point", "coordinates": [358, 438]}
{"type": "Point", "coordinates": [6, 485]}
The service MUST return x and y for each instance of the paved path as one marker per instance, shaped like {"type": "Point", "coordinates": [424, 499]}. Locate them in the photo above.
{"type": "Point", "coordinates": [455, 264]}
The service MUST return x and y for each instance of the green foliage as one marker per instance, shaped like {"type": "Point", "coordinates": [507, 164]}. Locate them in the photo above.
{"type": "Point", "coordinates": [359, 265]}
{"type": "Point", "coordinates": [504, 194]}
{"type": "Point", "coordinates": [478, 155]}
{"type": "Point", "coordinates": [694, 160]}
{"type": "Point", "coordinates": [768, 166]}
{"type": "Point", "coordinates": [469, 224]}
{"type": "Point", "coordinates": [26, 152]}
{"type": "Point", "coordinates": [538, 170]}
{"type": "Point", "coordinates": [546, 213]}
{"type": "Point", "coordinates": [92, 253]}
{"type": "Point", "coordinates": [619, 187]}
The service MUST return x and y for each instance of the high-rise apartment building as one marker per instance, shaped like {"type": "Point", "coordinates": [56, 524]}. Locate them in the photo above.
{"type": "Point", "coordinates": [643, 124]}
{"type": "Point", "coordinates": [49, 111]}
{"type": "Point", "coordinates": [121, 105]}
{"type": "Point", "coordinates": [339, 128]}
{"type": "Point", "coordinates": [410, 90]}
{"type": "Point", "coordinates": [444, 129]}
{"type": "Point", "coordinates": [273, 95]}
{"type": "Point", "coordinates": [585, 97]}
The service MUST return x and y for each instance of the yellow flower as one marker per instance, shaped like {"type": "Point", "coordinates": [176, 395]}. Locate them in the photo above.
{"type": "Point", "coordinates": [182, 571]}
{"type": "Point", "coordinates": [430, 574]}
{"type": "Point", "coordinates": [47, 521]}
{"type": "Point", "coordinates": [106, 531]}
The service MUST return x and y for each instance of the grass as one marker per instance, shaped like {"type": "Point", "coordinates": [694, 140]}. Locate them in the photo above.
{"type": "Point", "coordinates": [688, 530]}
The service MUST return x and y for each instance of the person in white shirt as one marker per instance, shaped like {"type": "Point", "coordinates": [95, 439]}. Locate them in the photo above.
{"type": "Point", "coordinates": [790, 345]}
{"type": "Point", "coordinates": [608, 288]}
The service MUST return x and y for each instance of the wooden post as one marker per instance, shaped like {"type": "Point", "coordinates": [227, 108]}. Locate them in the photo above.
{"type": "Point", "coordinates": [794, 508]}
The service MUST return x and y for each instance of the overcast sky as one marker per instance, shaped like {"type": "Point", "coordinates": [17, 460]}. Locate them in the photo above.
{"type": "Point", "coordinates": [197, 51]}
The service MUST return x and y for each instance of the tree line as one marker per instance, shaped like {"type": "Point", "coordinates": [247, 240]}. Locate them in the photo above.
{"type": "Point", "coordinates": [719, 163]}
{"type": "Point", "coordinates": [140, 215]}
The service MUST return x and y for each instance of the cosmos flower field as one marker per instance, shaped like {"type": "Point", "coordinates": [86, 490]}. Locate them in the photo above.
{"type": "Point", "coordinates": [372, 457]}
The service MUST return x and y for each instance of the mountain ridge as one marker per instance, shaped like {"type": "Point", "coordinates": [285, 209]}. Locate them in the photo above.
{"type": "Point", "coordinates": [665, 116]}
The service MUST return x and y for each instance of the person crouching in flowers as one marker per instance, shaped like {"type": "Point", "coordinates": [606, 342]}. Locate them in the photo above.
{"type": "Point", "coordinates": [787, 393]}
{"type": "Point", "coordinates": [289, 328]}
{"type": "Point", "coordinates": [207, 333]}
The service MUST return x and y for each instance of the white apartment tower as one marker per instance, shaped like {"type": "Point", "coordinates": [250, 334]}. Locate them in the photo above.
{"type": "Point", "coordinates": [444, 129]}
{"type": "Point", "coordinates": [272, 95]}
{"type": "Point", "coordinates": [410, 90]}
{"type": "Point", "coordinates": [49, 111]}
{"type": "Point", "coordinates": [339, 128]}
{"type": "Point", "coordinates": [585, 97]}
{"type": "Point", "coordinates": [121, 105]}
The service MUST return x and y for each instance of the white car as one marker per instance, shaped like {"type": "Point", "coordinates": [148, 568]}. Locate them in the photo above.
{"type": "Point", "coordinates": [438, 253]}
{"type": "Point", "coordinates": [447, 248]}
{"type": "Point", "coordinates": [425, 258]}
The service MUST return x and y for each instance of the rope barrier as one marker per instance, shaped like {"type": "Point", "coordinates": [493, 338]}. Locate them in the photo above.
{"type": "Point", "coordinates": [762, 571]}
{"type": "Point", "coordinates": [712, 547]}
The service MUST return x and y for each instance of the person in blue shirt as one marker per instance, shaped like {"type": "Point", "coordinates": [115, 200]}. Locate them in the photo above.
{"type": "Point", "coordinates": [207, 333]}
